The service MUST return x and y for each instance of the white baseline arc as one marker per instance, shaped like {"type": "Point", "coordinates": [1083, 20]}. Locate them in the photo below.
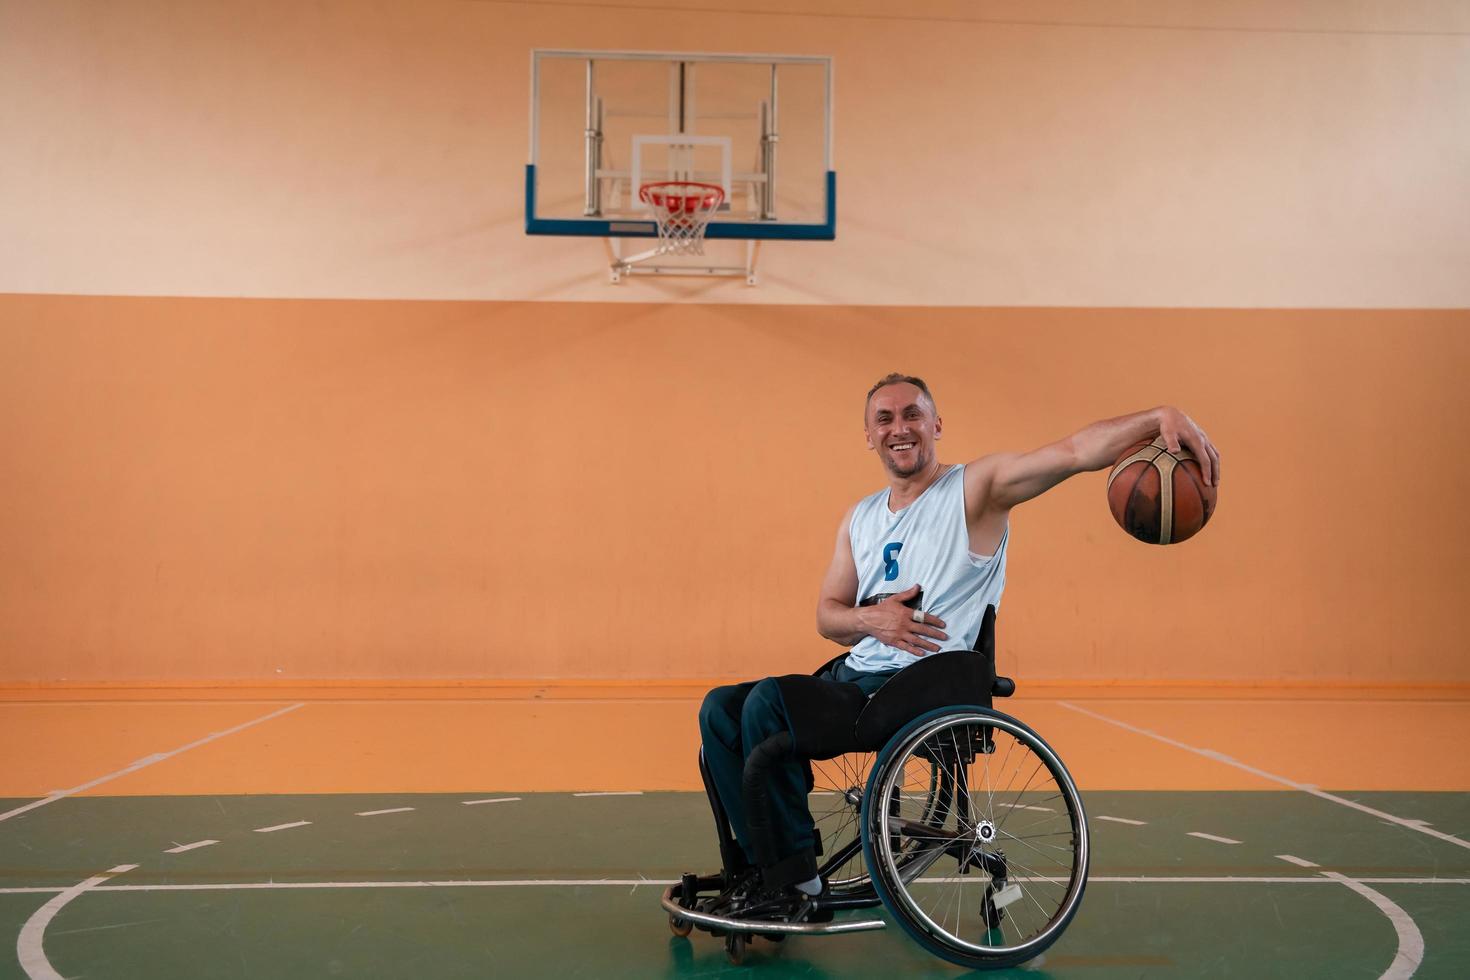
{"type": "Point", "coordinates": [30, 946]}
{"type": "Point", "coordinates": [1411, 941]}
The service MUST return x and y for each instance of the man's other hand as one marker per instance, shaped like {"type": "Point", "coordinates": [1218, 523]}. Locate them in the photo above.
{"type": "Point", "coordinates": [910, 630]}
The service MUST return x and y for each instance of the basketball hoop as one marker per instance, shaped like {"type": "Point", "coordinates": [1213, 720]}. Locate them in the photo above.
{"type": "Point", "coordinates": [682, 210]}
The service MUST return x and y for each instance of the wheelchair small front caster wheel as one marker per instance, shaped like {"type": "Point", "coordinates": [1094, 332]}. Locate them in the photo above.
{"type": "Point", "coordinates": [735, 947]}
{"type": "Point", "coordinates": [680, 927]}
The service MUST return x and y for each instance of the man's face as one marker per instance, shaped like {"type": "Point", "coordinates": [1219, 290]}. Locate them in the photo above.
{"type": "Point", "coordinates": [901, 427]}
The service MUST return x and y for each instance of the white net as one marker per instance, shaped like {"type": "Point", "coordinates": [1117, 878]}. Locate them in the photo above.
{"type": "Point", "coordinates": [682, 210]}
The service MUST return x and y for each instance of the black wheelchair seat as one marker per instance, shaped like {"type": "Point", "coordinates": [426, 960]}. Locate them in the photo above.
{"type": "Point", "coordinates": [829, 718]}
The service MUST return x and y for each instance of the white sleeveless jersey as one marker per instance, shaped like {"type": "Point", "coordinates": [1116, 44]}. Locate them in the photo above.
{"type": "Point", "coordinates": [928, 544]}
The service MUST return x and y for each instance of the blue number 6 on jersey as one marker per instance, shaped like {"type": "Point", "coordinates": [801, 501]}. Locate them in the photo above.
{"type": "Point", "coordinates": [890, 560]}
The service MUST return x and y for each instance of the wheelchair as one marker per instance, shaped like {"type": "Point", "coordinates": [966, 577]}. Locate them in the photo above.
{"type": "Point", "coordinates": [960, 821]}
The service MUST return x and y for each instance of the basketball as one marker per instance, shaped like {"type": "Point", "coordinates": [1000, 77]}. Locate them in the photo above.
{"type": "Point", "coordinates": [1159, 496]}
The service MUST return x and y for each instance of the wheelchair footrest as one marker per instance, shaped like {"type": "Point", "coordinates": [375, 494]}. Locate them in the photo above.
{"type": "Point", "coordinates": [672, 905]}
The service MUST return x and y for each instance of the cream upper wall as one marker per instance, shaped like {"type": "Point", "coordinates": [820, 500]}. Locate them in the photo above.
{"type": "Point", "coordinates": [1059, 154]}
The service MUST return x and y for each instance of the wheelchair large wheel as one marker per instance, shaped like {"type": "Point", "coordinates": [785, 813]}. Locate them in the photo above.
{"type": "Point", "coordinates": [975, 837]}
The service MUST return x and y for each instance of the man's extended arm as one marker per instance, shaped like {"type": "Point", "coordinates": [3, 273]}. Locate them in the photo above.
{"type": "Point", "coordinates": [1004, 480]}
{"type": "Point", "coordinates": [842, 620]}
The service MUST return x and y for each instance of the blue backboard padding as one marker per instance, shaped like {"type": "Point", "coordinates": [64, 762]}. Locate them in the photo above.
{"type": "Point", "coordinates": [761, 230]}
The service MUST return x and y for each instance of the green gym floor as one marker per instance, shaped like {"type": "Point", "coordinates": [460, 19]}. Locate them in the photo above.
{"type": "Point", "coordinates": [1266, 882]}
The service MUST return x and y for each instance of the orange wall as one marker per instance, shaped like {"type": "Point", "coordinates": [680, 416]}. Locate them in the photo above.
{"type": "Point", "coordinates": [554, 477]}
{"type": "Point", "coordinates": [214, 488]}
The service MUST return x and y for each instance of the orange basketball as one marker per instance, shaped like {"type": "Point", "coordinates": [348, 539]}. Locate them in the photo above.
{"type": "Point", "coordinates": [1159, 496]}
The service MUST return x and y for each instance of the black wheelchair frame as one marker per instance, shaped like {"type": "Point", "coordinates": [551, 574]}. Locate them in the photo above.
{"type": "Point", "coordinates": [925, 780]}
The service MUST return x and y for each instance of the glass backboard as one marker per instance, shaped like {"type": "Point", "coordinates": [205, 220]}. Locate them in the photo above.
{"type": "Point", "coordinates": [603, 123]}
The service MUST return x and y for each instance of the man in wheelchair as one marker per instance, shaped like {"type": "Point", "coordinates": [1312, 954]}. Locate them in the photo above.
{"type": "Point", "coordinates": [916, 567]}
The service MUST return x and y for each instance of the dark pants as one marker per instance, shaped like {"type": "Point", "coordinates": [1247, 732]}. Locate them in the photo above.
{"type": "Point", "coordinates": [735, 719]}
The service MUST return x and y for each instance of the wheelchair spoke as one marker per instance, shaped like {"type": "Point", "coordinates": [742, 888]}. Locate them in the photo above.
{"type": "Point", "coordinates": [1045, 820]}
{"type": "Point", "coordinates": [1000, 824]}
{"type": "Point", "coordinates": [1038, 837]}
{"type": "Point", "coordinates": [1034, 804]}
{"type": "Point", "coordinates": [1029, 892]}
{"type": "Point", "coordinates": [920, 862]}
{"type": "Point", "coordinates": [1048, 886]}
{"type": "Point", "coordinates": [1028, 871]}
{"type": "Point", "coordinates": [1035, 877]}
{"type": "Point", "coordinates": [959, 917]}
{"type": "Point", "coordinates": [989, 782]}
{"type": "Point", "coordinates": [961, 812]}
{"type": "Point", "coordinates": [835, 803]}
{"type": "Point", "coordinates": [1012, 780]}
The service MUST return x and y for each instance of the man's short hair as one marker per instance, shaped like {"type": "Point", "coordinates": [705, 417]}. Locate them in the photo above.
{"type": "Point", "coordinates": [898, 379]}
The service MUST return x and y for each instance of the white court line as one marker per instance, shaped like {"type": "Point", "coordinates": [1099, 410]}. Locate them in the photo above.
{"type": "Point", "coordinates": [144, 762]}
{"type": "Point", "coordinates": [1023, 806]}
{"type": "Point", "coordinates": [1217, 840]}
{"type": "Point", "coordinates": [498, 799]}
{"type": "Point", "coordinates": [180, 849]}
{"type": "Point", "coordinates": [581, 882]}
{"type": "Point", "coordinates": [1412, 881]}
{"type": "Point", "coordinates": [30, 947]}
{"type": "Point", "coordinates": [1299, 862]}
{"type": "Point", "coordinates": [624, 792]}
{"type": "Point", "coordinates": [1132, 823]}
{"type": "Point", "coordinates": [1135, 880]}
{"type": "Point", "coordinates": [282, 826]}
{"type": "Point", "coordinates": [589, 882]}
{"type": "Point", "coordinates": [1411, 941]}
{"type": "Point", "coordinates": [378, 813]}
{"type": "Point", "coordinates": [1304, 787]}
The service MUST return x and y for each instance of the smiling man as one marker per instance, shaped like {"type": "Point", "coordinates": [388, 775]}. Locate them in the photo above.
{"type": "Point", "coordinates": [915, 565]}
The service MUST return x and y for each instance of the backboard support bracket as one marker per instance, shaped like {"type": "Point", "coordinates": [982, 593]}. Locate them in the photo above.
{"type": "Point", "coordinates": [622, 266]}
